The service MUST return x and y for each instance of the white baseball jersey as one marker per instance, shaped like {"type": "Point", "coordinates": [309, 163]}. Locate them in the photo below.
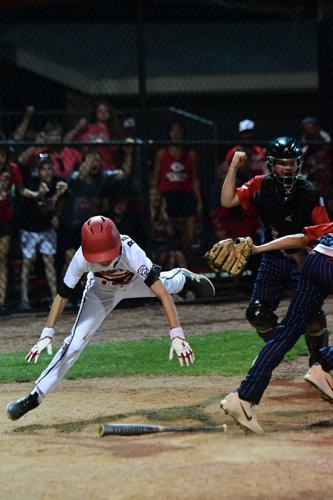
{"type": "Point", "coordinates": [128, 276]}
{"type": "Point", "coordinates": [132, 265]}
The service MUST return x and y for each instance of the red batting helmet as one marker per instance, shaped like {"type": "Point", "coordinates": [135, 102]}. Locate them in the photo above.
{"type": "Point", "coordinates": [100, 240]}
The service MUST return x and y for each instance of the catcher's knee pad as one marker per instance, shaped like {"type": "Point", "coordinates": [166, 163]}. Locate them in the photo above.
{"type": "Point", "coordinates": [262, 318]}
{"type": "Point", "coordinates": [316, 325]}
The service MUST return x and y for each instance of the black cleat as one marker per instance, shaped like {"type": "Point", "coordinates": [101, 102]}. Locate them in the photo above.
{"type": "Point", "coordinates": [201, 286]}
{"type": "Point", "coordinates": [16, 409]}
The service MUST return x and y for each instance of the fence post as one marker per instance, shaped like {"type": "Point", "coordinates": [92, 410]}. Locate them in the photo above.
{"type": "Point", "coordinates": [141, 61]}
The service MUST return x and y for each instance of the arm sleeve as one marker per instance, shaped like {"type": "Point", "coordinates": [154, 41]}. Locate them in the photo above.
{"type": "Point", "coordinates": [153, 275]}
{"type": "Point", "coordinates": [76, 269]}
{"type": "Point", "coordinates": [315, 232]}
{"type": "Point", "coordinates": [64, 291]}
{"type": "Point", "coordinates": [247, 191]}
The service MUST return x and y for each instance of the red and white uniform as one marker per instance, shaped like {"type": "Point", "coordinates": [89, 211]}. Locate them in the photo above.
{"type": "Point", "coordinates": [7, 179]}
{"type": "Point", "coordinates": [316, 232]}
{"type": "Point", "coordinates": [176, 175]}
{"type": "Point", "coordinates": [105, 288]}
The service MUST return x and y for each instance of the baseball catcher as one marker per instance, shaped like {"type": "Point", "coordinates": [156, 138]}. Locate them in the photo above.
{"type": "Point", "coordinates": [230, 256]}
{"type": "Point", "coordinates": [285, 203]}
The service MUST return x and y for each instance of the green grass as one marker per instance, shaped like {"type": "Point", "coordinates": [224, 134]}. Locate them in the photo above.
{"type": "Point", "coordinates": [227, 353]}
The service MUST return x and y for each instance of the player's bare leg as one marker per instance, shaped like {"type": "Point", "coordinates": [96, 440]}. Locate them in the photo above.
{"type": "Point", "coordinates": [50, 274]}
{"type": "Point", "coordinates": [25, 280]}
{"type": "Point", "coordinates": [4, 249]}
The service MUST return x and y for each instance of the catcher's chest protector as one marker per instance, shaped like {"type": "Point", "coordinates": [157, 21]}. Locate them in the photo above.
{"type": "Point", "coordinates": [276, 208]}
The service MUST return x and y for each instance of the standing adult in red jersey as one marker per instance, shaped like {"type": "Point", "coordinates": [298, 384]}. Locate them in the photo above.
{"type": "Point", "coordinates": [176, 177]}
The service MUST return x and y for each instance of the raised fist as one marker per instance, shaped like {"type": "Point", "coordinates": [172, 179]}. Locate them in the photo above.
{"type": "Point", "coordinates": [238, 159]}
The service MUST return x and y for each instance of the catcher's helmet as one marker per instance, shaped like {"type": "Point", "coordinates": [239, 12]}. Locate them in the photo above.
{"type": "Point", "coordinates": [284, 159]}
{"type": "Point", "coordinates": [100, 240]}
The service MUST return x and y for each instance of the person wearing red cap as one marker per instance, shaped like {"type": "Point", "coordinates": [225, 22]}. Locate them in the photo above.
{"type": "Point", "coordinates": [117, 268]}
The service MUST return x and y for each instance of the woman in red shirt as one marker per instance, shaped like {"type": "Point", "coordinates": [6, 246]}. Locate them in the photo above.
{"type": "Point", "coordinates": [104, 128]}
{"type": "Point", "coordinates": [9, 175]}
{"type": "Point", "coordinates": [175, 176]}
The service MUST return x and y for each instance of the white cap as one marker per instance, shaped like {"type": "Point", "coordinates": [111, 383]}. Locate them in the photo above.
{"type": "Point", "coordinates": [246, 125]}
{"type": "Point", "coordinates": [129, 123]}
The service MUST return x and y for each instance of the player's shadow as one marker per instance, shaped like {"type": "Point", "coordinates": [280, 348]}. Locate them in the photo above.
{"type": "Point", "coordinates": [171, 414]}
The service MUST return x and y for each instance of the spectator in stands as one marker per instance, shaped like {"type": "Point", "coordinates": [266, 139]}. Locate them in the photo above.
{"type": "Point", "coordinates": [256, 156]}
{"type": "Point", "coordinates": [126, 214]}
{"type": "Point", "coordinates": [64, 160]}
{"type": "Point", "coordinates": [165, 249]}
{"type": "Point", "coordinates": [105, 127]}
{"type": "Point", "coordinates": [83, 199]}
{"type": "Point", "coordinates": [10, 176]}
{"type": "Point", "coordinates": [317, 163]}
{"type": "Point", "coordinates": [175, 175]}
{"type": "Point", "coordinates": [38, 222]}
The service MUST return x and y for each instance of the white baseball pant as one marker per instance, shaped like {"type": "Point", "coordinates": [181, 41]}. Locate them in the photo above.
{"type": "Point", "coordinates": [97, 303]}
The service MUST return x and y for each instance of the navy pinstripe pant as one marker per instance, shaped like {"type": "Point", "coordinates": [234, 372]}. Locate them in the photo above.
{"type": "Point", "coordinates": [274, 274]}
{"type": "Point", "coordinates": [315, 283]}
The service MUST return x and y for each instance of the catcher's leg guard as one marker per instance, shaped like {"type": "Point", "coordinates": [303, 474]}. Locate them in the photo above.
{"type": "Point", "coordinates": [316, 336]}
{"type": "Point", "coordinates": [262, 318]}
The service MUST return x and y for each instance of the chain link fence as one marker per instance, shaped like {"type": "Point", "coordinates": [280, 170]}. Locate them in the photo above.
{"type": "Point", "coordinates": [133, 110]}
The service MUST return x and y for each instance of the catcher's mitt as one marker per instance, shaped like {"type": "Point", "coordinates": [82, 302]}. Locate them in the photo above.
{"type": "Point", "coordinates": [227, 255]}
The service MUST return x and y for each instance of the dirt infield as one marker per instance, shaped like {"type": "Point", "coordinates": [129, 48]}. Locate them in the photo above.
{"type": "Point", "coordinates": [55, 452]}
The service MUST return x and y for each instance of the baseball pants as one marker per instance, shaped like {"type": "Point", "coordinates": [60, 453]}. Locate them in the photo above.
{"type": "Point", "coordinates": [274, 274]}
{"type": "Point", "coordinates": [315, 284]}
{"type": "Point", "coordinates": [97, 303]}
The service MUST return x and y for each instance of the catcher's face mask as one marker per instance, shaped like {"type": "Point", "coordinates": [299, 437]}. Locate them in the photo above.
{"type": "Point", "coordinates": [286, 171]}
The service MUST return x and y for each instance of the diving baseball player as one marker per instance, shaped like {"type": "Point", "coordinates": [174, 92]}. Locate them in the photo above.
{"type": "Point", "coordinates": [314, 285]}
{"type": "Point", "coordinates": [285, 203]}
{"type": "Point", "coordinates": [117, 269]}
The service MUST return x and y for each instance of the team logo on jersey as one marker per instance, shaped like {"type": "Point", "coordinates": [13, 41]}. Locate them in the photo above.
{"type": "Point", "coordinates": [177, 167]}
{"type": "Point", "coordinates": [177, 173]}
{"type": "Point", "coordinates": [143, 271]}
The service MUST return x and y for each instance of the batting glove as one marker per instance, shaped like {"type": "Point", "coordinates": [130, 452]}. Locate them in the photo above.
{"type": "Point", "coordinates": [180, 347]}
{"type": "Point", "coordinates": [44, 342]}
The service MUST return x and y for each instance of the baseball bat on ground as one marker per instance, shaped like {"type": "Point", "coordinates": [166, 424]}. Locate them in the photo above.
{"type": "Point", "coordinates": [139, 429]}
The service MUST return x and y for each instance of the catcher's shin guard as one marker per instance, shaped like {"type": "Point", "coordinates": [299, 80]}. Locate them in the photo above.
{"type": "Point", "coordinates": [314, 344]}
{"type": "Point", "coordinates": [316, 336]}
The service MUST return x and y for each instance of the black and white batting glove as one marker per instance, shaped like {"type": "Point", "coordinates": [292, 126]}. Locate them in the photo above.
{"type": "Point", "coordinates": [180, 347]}
{"type": "Point", "coordinates": [44, 342]}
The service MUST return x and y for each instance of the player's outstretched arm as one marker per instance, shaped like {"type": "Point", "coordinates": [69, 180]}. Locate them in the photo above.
{"type": "Point", "coordinates": [284, 243]}
{"type": "Point", "coordinates": [179, 346]}
{"type": "Point", "coordinates": [46, 337]}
